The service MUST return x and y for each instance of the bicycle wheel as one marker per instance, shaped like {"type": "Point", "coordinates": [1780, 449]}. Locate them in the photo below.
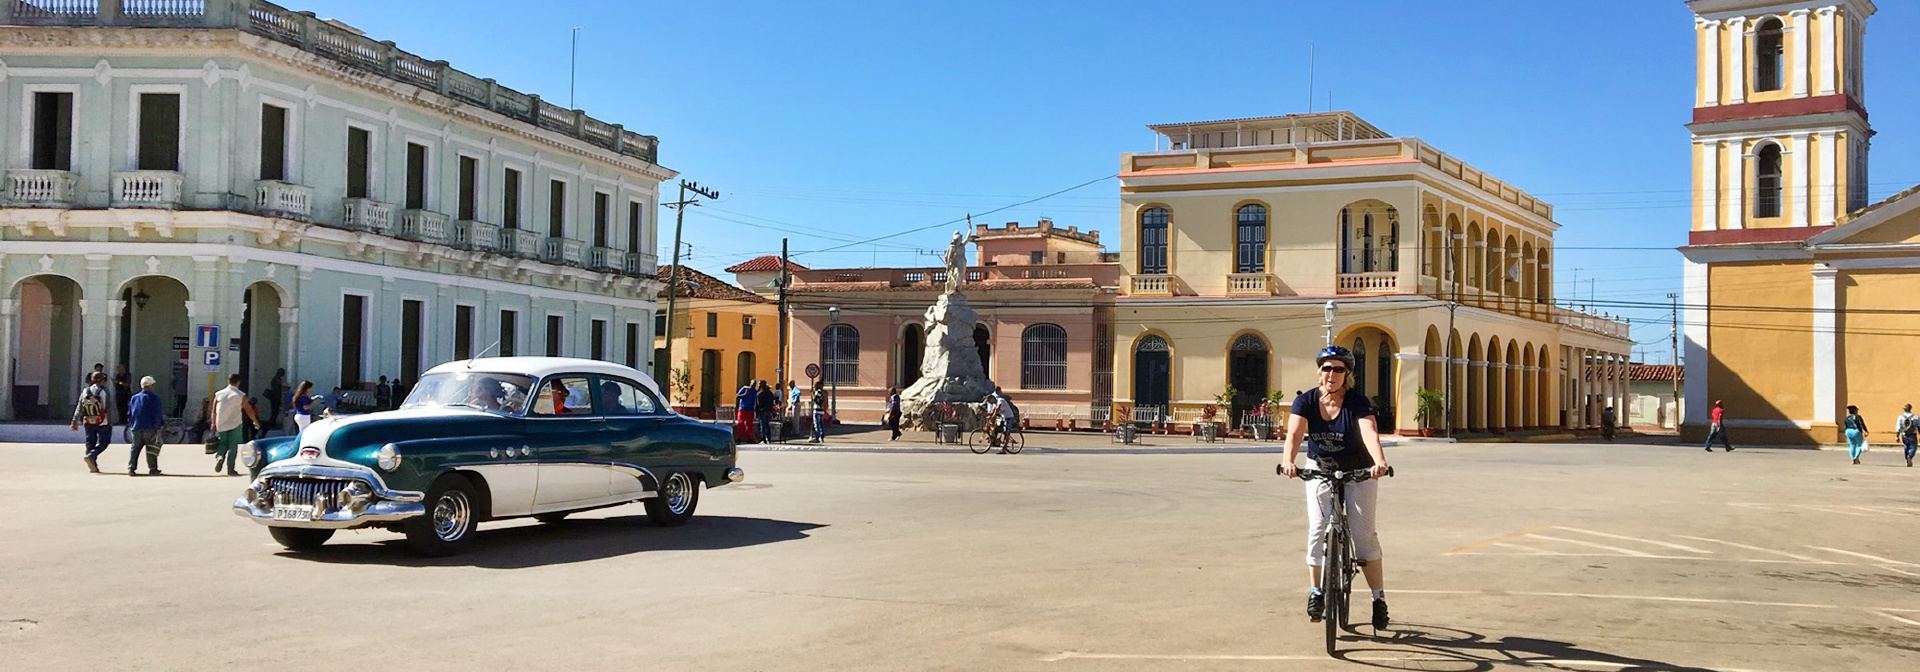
{"type": "Point", "coordinates": [977, 441]}
{"type": "Point", "coordinates": [1016, 441]}
{"type": "Point", "coordinates": [1333, 587]}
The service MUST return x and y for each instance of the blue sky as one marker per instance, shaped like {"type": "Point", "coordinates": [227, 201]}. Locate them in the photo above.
{"type": "Point", "coordinates": [830, 122]}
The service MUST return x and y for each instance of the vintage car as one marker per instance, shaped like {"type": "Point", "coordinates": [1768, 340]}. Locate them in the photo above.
{"type": "Point", "coordinates": [488, 439]}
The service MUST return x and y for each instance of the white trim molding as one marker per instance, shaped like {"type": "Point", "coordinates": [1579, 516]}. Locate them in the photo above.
{"type": "Point", "coordinates": [1825, 297]}
{"type": "Point", "coordinates": [1695, 358]}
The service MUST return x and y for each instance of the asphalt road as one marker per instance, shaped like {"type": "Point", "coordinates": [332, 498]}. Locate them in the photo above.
{"type": "Point", "coordinates": [1565, 557]}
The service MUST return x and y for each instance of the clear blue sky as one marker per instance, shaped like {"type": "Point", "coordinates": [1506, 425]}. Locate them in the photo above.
{"type": "Point", "coordinates": [829, 122]}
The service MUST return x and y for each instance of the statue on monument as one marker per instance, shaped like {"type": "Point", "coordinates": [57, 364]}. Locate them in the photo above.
{"type": "Point", "coordinates": [950, 368]}
{"type": "Point", "coordinates": [956, 260]}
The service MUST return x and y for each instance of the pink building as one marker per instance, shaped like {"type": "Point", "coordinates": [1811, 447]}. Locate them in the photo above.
{"type": "Point", "coordinates": [1045, 300]}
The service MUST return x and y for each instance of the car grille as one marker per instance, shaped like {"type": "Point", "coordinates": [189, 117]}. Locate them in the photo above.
{"type": "Point", "coordinates": [322, 492]}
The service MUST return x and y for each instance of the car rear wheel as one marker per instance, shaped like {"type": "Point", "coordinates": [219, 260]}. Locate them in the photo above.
{"type": "Point", "coordinates": [300, 538]}
{"type": "Point", "coordinates": [450, 520]}
{"type": "Point", "coordinates": [679, 494]}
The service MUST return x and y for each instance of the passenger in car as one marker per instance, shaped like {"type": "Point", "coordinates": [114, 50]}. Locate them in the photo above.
{"type": "Point", "coordinates": [610, 398]}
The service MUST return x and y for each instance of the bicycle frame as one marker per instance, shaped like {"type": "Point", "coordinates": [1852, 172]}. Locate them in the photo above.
{"type": "Point", "coordinates": [1338, 564]}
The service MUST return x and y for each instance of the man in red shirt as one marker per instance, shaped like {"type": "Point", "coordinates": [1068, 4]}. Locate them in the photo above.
{"type": "Point", "coordinates": [1717, 429]}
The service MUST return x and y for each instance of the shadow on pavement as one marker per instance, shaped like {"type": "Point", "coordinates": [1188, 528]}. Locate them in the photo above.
{"type": "Point", "coordinates": [1415, 646]}
{"type": "Point", "coordinates": [570, 541]}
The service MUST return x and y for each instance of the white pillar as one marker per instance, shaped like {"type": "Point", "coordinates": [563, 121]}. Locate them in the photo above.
{"type": "Point", "coordinates": [1736, 189]}
{"type": "Point", "coordinates": [1824, 299]}
{"type": "Point", "coordinates": [1709, 186]}
{"type": "Point", "coordinates": [1737, 60]}
{"type": "Point", "coordinates": [1829, 50]}
{"type": "Point", "coordinates": [7, 309]}
{"type": "Point", "coordinates": [1694, 320]}
{"type": "Point", "coordinates": [1802, 187]}
{"type": "Point", "coordinates": [1802, 47]}
{"type": "Point", "coordinates": [1826, 194]}
{"type": "Point", "coordinates": [1710, 63]}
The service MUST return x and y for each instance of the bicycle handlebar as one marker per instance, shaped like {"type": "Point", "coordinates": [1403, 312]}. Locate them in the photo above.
{"type": "Point", "coordinates": [1342, 476]}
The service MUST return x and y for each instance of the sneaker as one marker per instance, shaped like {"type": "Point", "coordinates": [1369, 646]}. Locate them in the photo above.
{"type": "Point", "coordinates": [153, 472]}
{"type": "Point", "coordinates": [1709, 449]}
{"type": "Point", "coordinates": [1379, 614]}
{"type": "Point", "coordinates": [132, 471]}
{"type": "Point", "coordinates": [1316, 605]}
{"type": "Point", "coordinates": [92, 466]}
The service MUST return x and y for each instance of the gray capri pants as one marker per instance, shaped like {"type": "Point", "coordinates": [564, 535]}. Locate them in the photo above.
{"type": "Point", "coordinates": [1360, 511]}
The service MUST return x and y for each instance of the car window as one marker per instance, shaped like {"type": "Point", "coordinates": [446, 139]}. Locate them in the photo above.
{"type": "Point", "coordinates": [619, 397]}
{"type": "Point", "coordinates": [504, 392]}
{"type": "Point", "coordinates": [563, 395]}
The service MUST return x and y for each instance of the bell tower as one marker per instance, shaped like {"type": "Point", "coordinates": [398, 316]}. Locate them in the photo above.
{"type": "Point", "coordinates": [1779, 126]}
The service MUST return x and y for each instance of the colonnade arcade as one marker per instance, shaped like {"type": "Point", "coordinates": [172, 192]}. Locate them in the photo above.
{"type": "Point", "coordinates": [1503, 385]}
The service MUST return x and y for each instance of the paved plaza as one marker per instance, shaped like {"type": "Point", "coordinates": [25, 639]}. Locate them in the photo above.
{"type": "Point", "coordinates": [1500, 556]}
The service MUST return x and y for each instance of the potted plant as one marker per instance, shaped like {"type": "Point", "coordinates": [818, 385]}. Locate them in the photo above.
{"type": "Point", "coordinates": [1432, 404]}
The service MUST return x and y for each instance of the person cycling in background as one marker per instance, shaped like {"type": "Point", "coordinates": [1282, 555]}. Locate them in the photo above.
{"type": "Point", "coordinates": [1337, 423]}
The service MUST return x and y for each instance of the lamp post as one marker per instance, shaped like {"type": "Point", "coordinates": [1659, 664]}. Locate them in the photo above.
{"type": "Point", "coordinates": [833, 346]}
{"type": "Point", "coordinates": [1329, 314]}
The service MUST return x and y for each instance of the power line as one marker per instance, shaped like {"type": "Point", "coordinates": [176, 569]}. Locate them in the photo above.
{"type": "Point", "coordinates": [956, 221]}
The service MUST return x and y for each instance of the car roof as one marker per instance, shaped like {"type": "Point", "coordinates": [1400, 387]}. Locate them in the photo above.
{"type": "Point", "coordinates": [541, 367]}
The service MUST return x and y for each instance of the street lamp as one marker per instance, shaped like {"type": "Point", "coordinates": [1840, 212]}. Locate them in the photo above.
{"type": "Point", "coordinates": [1329, 313]}
{"type": "Point", "coordinates": [140, 299]}
{"type": "Point", "coordinates": [833, 346]}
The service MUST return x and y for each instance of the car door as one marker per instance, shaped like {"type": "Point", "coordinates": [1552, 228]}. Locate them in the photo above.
{"type": "Point", "coordinates": [570, 444]}
{"type": "Point", "coordinates": [634, 439]}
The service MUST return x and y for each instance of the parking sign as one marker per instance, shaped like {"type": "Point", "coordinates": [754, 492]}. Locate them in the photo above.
{"type": "Point", "coordinates": [211, 358]}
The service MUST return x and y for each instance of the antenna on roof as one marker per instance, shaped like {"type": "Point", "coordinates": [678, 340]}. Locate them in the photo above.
{"type": "Point", "coordinates": [483, 352]}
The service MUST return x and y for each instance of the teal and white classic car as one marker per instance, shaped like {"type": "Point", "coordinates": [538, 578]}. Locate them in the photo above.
{"type": "Point", "coordinates": [488, 439]}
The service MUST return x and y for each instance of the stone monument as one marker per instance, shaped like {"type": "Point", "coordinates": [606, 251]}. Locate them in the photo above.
{"type": "Point", "coordinates": [950, 369]}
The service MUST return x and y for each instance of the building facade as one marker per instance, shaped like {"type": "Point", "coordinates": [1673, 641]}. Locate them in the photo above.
{"type": "Point", "coordinates": [1797, 290]}
{"type": "Point", "coordinates": [1044, 296]}
{"type": "Point", "coordinates": [333, 205]}
{"type": "Point", "coordinates": [725, 336]}
{"type": "Point", "coordinates": [1236, 234]}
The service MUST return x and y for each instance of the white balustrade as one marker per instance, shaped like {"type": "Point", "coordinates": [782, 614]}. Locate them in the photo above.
{"type": "Point", "coordinates": [1369, 283]}
{"type": "Point", "coordinates": [1152, 285]}
{"type": "Point", "coordinates": [604, 259]}
{"type": "Point", "coordinates": [642, 264]}
{"type": "Point", "coordinates": [286, 200]}
{"type": "Point", "coordinates": [524, 243]}
{"type": "Point", "coordinates": [366, 214]}
{"type": "Point", "coordinates": [472, 235]}
{"type": "Point", "coordinates": [146, 189]}
{"type": "Point", "coordinates": [1250, 283]}
{"type": "Point", "coordinates": [42, 188]}
{"type": "Point", "coordinates": [425, 226]}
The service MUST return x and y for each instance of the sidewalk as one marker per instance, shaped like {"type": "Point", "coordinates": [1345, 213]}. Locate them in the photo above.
{"type": "Point", "coordinates": [871, 439]}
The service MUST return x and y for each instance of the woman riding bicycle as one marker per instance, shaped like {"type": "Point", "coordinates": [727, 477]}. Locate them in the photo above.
{"type": "Point", "coordinates": [1338, 425]}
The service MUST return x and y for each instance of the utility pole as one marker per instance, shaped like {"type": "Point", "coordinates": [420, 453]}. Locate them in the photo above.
{"type": "Point", "coordinates": [573, 66]}
{"type": "Point", "coordinates": [1676, 358]}
{"type": "Point", "coordinates": [673, 272]}
{"type": "Point", "coordinates": [1446, 357]}
{"type": "Point", "coordinates": [780, 367]}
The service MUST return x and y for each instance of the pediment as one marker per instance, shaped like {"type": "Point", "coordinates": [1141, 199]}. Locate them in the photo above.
{"type": "Point", "coordinates": [1895, 220]}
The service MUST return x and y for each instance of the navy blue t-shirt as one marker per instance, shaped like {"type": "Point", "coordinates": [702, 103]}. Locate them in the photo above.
{"type": "Point", "coordinates": [1336, 443]}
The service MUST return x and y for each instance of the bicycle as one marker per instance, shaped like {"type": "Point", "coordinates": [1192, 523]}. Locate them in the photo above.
{"type": "Point", "coordinates": [1339, 565]}
{"type": "Point", "coordinates": [988, 437]}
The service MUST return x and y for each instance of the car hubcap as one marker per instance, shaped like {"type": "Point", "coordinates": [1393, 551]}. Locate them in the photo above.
{"type": "Point", "coordinates": [678, 493]}
{"type": "Point", "coordinates": [451, 516]}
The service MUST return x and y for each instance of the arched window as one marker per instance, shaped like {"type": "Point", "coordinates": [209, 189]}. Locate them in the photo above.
{"type": "Point", "coordinates": [1250, 239]}
{"type": "Point", "coordinates": [1367, 261]}
{"type": "Point", "coordinates": [1543, 277]}
{"type": "Point", "coordinates": [1769, 54]}
{"type": "Point", "coordinates": [743, 372]}
{"type": "Point", "coordinates": [1766, 197]}
{"type": "Point", "coordinates": [1392, 243]}
{"type": "Point", "coordinates": [1043, 357]}
{"type": "Point", "coordinates": [840, 354]}
{"type": "Point", "coordinates": [1153, 240]}
{"type": "Point", "coordinates": [1475, 254]}
{"type": "Point", "coordinates": [1347, 262]}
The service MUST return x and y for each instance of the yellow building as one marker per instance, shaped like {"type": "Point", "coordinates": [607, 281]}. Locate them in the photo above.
{"type": "Point", "coordinates": [1236, 233]}
{"type": "Point", "coordinates": [725, 336]}
{"type": "Point", "coordinates": [1799, 294]}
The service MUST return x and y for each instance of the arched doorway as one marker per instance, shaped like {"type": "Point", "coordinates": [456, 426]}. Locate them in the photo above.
{"type": "Point", "coordinates": [983, 343]}
{"type": "Point", "coordinates": [153, 319]}
{"type": "Point", "coordinates": [1152, 372]}
{"type": "Point", "coordinates": [913, 344]}
{"type": "Point", "coordinates": [261, 342]}
{"type": "Point", "coordinates": [743, 372]}
{"type": "Point", "coordinates": [1247, 373]}
{"type": "Point", "coordinates": [709, 381]}
{"type": "Point", "coordinates": [45, 368]}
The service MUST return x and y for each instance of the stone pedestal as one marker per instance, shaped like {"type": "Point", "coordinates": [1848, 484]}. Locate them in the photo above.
{"type": "Point", "coordinates": [950, 370]}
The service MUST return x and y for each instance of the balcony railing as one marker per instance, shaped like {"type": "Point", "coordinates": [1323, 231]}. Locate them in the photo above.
{"type": "Point", "coordinates": [146, 189]}
{"type": "Point", "coordinates": [472, 235]}
{"type": "Point", "coordinates": [285, 200]}
{"type": "Point", "coordinates": [1599, 324]}
{"type": "Point", "coordinates": [1151, 285]}
{"type": "Point", "coordinates": [424, 226]}
{"type": "Point", "coordinates": [604, 259]}
{"type": "Point", "coordinates": [1255, 284]}
{"type": "Point", "coordinates": [366, 214]}
{"type": "Point", "coordinates": [641, 264]}
{"type": "Point", "coordinates": [523, 243]}
{"type": "Point", "coordinates": [1379, 282]}
{"type": "Point", "coordinates": [42, 188]}
{"type": "Point", "coordinates": [564, 251]}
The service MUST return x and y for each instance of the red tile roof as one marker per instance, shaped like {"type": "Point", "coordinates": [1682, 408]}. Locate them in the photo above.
{"type": "Point", "coordinates": [699, 285]}
{"type": "Point", "coordinates": [1662, 372]}
{"type": "Point", "coordinates": [765, 262]}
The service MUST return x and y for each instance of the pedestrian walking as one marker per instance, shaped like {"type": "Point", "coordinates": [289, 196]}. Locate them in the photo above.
{"type": "Point", "coordinates": [819, 411]}
{"type": "Point", "coordinates": [229, 405]}
{"type": "Point", "coordinates": [303, 406]}
{"type": "Point", "coordinates": [91, 411]}
{"type": "Point", "coordinates": [893, 412]}
{"type": "Point", "coordinates": [122, 394]}
{"type": "Point", "coordinates": [793, 402]}
{"type": "Point", "coordinates": [277, 396]}
{"type": "Point", "coordinates": [1717, 429]}
{"type": "Point", "coordinates": [87, 378]}
{"type": "Point", "coordinates": [383, 395]}
{"type": "Point", "coordinates": [1856, 432]}
{"type": "Point", "coordinates": [1908, 428]}
{"type": "Point", "coordinates": [144, 419]}
{"type": "Point", "coordinates": [763, 411]}
{"type": "Point", "coordinates": [744, 401]}
{"type": "Point", "coordinates": [333, 400]}
{"type": "Point", "coordinates": [1608, 420]}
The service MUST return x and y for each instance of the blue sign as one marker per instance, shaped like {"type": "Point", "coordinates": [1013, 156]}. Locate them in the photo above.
{"type": "Point", "coordinates": [211, 358]}
{"type": "Point", "coordinates": [206, 336]}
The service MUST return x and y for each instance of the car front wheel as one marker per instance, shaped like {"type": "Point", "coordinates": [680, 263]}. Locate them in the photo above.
{"type": "Point", "coordinates": [300, 538]}
{"type": "Point", "coordinates": [679, 494]}
{"type": "Point", "coordinates": [449, 523]}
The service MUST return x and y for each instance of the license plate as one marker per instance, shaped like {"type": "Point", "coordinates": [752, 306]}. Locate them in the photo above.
{"type": "Point", "coordinates": [293, 512]}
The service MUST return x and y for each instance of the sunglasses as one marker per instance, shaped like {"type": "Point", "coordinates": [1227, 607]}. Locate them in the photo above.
{"type": "Point", "coordinates": [1333, 369]}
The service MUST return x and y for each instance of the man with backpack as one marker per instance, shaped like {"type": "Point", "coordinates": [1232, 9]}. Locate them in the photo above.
{"type": "Point", "coordinates": [92, 412]}
{"type": "Point", "coordinates": [1908, 427]}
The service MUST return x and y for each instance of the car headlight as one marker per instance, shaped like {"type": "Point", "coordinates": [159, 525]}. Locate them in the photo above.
{"type": "Point", "coordinates": [388, 458]}
{"type": "Point", "coordinates": [249, 456]}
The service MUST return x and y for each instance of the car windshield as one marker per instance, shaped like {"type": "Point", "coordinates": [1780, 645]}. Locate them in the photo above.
{"type": "Point", "coordinates": [503, 392]}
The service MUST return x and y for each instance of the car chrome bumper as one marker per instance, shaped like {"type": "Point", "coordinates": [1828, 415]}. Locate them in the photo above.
{"type": "Point", "coordinates": [385, 505]}
{"type": "Point", "coordinates": [735, 475]}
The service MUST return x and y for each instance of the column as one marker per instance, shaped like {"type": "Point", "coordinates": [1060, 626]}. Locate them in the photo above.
{"type": "Point", "coordinates": [1736, 189]}
{"type": "Point", "coordinates": [1460, 401]}
{"type": "Point", "coordinates": [1827, 194]}
{"type": "Point", "coordinates": [1802, 187]}
{"type": "Point", "coordinates": [7, 308]}
{"type": "Point", "coordinates": [1710, 64]}
{"type": "Point", "coordinates": [1737, 60]}
{"type": "Point", "coordinates": [1825, 298]}
{"type": "Point", "coordinates": [1477, 401]}
{"type": "Point", "coordinates": [1694, 318]}
{"type": "Point", "coordinates": [97, 289]}
{"type": "Point", "coordinates": [1411, 374]}
{"type": "Point", "coordinates": [1829, 50]}
{"type": "Point", "coordinates": [1802, 47]}
{"type": "Point", "coordinates": [1580, 387]}
{"type": "Point", "coordinates": [1709, 186]}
